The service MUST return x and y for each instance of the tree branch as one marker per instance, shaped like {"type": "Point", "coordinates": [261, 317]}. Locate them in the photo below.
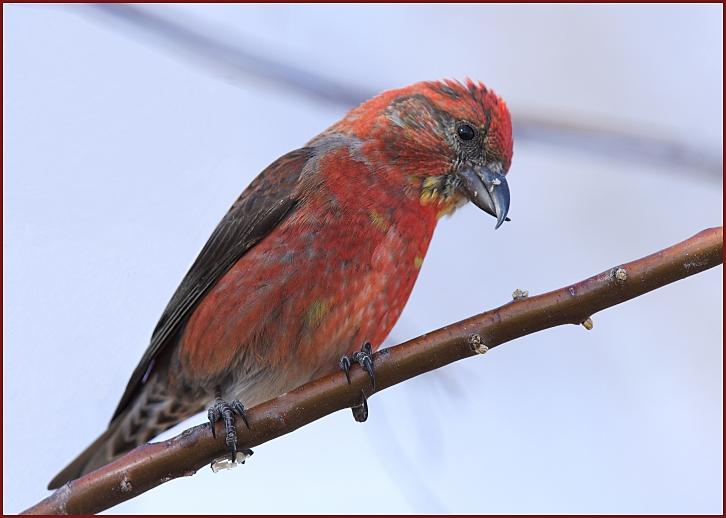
{"type": "Point", "coordinates": [153, 464]}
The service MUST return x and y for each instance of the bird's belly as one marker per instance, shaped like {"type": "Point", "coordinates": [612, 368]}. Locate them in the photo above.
{"type": "Point", "coordinates": [293, 305]}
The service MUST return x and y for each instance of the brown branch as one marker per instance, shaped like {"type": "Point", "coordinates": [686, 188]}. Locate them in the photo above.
{"type": "Point", "coordinates": [153, 464]}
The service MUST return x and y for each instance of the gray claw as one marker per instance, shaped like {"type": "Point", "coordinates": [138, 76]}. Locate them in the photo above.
{"type": "Point", "coordinates": [360, 412]}
{"type": "Point", "coordinates": [366, 362]}
{"type": "Point", "coordinates": [239, 409]}
{"type": "Point", "coordinates": [345, 365]}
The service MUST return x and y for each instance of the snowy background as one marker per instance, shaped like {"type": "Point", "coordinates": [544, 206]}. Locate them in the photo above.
{"type": "Point", "coordinates": [121, 154]}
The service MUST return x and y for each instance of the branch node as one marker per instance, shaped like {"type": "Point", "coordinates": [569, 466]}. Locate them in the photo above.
{"type": "Point", "coordinates": [587, 323]}
{"type": "Point", "coordinates": [519, 294]}
{"type": "Point", "coordinates": [477, 345]}
{"type": "Point", "coordinates": [126, 486]}
{"type": "Point", "coordinates": [620, 275]}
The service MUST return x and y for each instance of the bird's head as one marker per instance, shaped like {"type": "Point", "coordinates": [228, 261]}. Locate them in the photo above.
{"type": "Point", "coordinates": [450, 141]}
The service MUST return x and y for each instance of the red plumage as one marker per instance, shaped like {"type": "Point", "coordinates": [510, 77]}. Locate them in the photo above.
{"type": "Point", "coordinates": [318, 255]}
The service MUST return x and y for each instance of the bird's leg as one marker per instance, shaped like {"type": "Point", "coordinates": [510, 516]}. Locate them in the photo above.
{"type": "Point", "coordinates": [226, 412]}
{"type": "Point", "coordinates": [364, 358]}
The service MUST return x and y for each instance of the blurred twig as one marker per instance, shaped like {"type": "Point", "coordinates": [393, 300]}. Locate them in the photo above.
{"type": "Point", "coordinates": [232, 59]}
{"type": "Point", "coordinates": [153, 464]}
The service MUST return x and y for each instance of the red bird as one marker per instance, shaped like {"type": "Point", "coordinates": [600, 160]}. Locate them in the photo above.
{"type": "Point", "coordinates": [317, 256]}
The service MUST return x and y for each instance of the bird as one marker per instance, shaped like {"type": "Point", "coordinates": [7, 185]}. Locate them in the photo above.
{"type": "Point", "coordinates": [317, 256]}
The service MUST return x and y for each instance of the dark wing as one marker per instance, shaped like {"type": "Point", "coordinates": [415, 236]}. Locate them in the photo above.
{"type": "Point", "coordinates": [258, 210]}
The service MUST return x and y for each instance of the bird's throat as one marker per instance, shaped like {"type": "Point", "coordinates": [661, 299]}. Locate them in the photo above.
{"type": "Point", "coordinates": [440, 193]}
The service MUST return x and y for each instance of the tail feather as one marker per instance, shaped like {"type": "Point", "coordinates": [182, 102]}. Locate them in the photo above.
{"type": "Point", "coordinates": [152, 413]}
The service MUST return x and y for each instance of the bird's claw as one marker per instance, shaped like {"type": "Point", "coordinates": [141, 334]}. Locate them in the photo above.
{"type": "Point", "coordinates": [360, 412]}
{"type": "Point", "coordinates": [239, 409]}
{"type": "Point", "coordinates": [345, 365]}
{"type": "Point", "coordinates": [364, 358]}
{"type": "Point", "coordinates": [226, 412]}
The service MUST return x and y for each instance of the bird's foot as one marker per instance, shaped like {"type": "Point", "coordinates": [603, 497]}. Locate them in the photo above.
{"type": "Point", "coordinates": [364, 358]}
{"type": "Point", "coordinates": [221, 410]}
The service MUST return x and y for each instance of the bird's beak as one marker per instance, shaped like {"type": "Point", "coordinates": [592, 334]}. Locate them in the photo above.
{"type": "Point", "coordinates": [487, 189]}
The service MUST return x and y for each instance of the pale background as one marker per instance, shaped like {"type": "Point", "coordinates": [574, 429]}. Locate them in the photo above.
{"type": "Point", "coordinates": [120, 156]}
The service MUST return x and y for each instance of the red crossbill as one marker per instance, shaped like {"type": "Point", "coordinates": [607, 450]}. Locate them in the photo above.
{"type": "Point", "coordinates": [317, 256]}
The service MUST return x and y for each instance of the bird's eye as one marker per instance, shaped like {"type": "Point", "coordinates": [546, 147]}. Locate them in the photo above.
{"type": "Point", "coordinates": [465, 131]}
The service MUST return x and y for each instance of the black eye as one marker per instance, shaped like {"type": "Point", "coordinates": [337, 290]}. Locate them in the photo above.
{"type": "Point", "coordinates": [465, 131]}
